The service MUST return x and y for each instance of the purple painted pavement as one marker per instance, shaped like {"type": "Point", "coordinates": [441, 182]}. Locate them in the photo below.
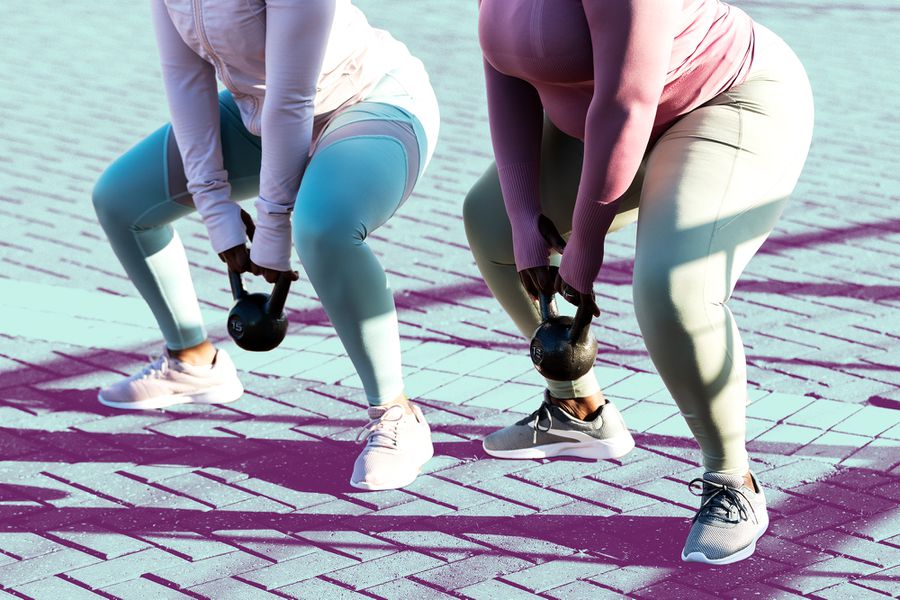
{"type": "Point", "coordinates": [251, 500]}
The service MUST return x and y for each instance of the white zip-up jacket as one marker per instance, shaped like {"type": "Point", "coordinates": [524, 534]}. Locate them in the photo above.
{"type": "Point", "coordinates": [285, 62]}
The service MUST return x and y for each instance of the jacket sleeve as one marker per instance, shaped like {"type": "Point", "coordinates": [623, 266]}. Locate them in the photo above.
{"type": "Point", "coordinates": [517, 119]}
{"type": "Point", "coordinates": [190, 84]}
{"type": "Point", "coordinates": [296, 39]}
{"type": "Point", "coordinates": [632, 43]}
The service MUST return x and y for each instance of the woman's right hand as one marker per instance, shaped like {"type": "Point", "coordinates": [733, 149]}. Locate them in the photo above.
{"type": "Point", "coordinates": [237, 259]}
{"type": "Point", "coordinates": [539, 280]}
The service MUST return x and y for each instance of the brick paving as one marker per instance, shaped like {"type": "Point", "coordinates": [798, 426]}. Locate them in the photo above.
{"type": "Point", "coordinates": [250, 500]}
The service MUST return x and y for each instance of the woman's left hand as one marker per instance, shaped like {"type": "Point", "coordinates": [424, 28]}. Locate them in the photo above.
{"type": "Point", "coordinates": [271, 275]}
{"type": "Point", "coordinates": [569, 294]}
{"type": "Point", "coordinates": [573, 296]}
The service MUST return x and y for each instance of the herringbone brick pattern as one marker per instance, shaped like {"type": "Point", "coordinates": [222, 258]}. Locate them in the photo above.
{"type": "Point", "coordinates": [250, 500]}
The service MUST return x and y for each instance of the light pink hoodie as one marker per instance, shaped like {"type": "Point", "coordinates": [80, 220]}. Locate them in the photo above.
{"type": "Point", "coordinates": [288, 64]}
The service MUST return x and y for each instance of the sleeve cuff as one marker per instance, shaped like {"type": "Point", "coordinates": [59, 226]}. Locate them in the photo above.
{"type": "Point", "coordinates": [579, 266]}
{"type": "Point", "coordinates": [266, 208]}
{"type": "Point", "coordinates": [530, 250]}
{"type": "Point", "coordinates": [225, 227]}
{"type": "Point", "coordinates": [271, 246]}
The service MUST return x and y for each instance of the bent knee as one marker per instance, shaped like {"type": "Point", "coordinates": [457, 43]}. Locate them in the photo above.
{"type": "Point", "coordinates": [108, 198]}
{"type": "Point", "coordinates": [668, 297]}
{"type": "Point", "coordinates": [325, 231]}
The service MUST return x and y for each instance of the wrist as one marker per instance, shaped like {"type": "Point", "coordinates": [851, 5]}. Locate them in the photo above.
{"type": "Point", "coordinates": [271, 247]}
{"type": "Point", "coordinates": [579, 266]}
{"type": "Point", "coordinates": [225, 227]}
{"type": "Point", "coordinates": [530, 249]}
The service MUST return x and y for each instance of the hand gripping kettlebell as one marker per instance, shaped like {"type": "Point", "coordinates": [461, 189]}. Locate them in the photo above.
{"type": "Point", "coordinates": [257, 321]}
{"type": "Point", "coordinates": [563, 348]}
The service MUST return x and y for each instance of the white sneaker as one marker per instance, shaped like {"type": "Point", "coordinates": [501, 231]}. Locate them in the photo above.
{"type": "Point", "coordinates": [167, 381]}
{"type": "Point", "coordinates": [398, 443]}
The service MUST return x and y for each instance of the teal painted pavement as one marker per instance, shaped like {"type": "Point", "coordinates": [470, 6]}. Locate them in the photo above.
{"type": "Point", "coordinates": [249, 500]}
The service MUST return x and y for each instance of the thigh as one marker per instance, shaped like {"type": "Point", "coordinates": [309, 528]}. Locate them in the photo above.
{"type": "Point", "coordinates": [561, 162]}
{"type": "Point", "coordinates": [365, 165]}
{"type": "Point", "coordinates": [146, 186]}
{"type": "Point", "coordinates": [716, 184]}
{"type": "Point", "coordinates": [562, 157]}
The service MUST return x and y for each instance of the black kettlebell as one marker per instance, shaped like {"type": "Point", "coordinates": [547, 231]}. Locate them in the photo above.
{"type": "Point", "coordinates": [257, 321]}
{"type": "Point", "coordinates": [563, 348]}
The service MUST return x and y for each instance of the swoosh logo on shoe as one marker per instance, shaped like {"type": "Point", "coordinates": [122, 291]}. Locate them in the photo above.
{"type": "Point", "coordinates": [572, 435]}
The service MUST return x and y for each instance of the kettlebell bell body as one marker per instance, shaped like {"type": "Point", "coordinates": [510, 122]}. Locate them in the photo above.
{"type": "Point", "coordinates": [563, 348]}
{"type": "Point", "coordinates": [257, 321]}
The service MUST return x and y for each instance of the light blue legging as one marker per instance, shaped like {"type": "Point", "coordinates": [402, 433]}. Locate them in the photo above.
{"type": "Point", "coordinates": [363, 168]}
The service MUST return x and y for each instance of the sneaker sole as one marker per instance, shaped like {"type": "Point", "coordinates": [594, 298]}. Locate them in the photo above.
{"type": "Point", "coordinates": [392, 485]}
{"type": "Point", "coordinates": [615, 447]}
{"type": "Point", "coordinates": [747, 552]}
{"type": "Point", "coordinates": [222, 394]}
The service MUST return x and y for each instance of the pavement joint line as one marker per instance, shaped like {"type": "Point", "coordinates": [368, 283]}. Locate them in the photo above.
{"type": "Point", "coordinates": [157, 485]}
{"type": "Point", "coordinates": [86, 489]}
{"type": "Point", "coordinates": [171, 585]}
{"type": "Point", "coordinates": [335, 550]}
{"type": "Point", "coordinates": [241, 548]}
{"type": "Point", "coordinates": [611, 508]}
{"type": "Point", "coordinates": [639, 492]}
{"type": "Point", "coordinates": [259, 586]}
{"type": "Point", "coordinates": [68, 579]}
{"type": "Point", "coordinates": [658, 451]}
{"type": "Point", "coordinates": [410, 548]}
{"type": "Point", "coordinates": [437, 475]}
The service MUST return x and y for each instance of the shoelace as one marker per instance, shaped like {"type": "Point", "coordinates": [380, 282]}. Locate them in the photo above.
{"type": "Point", "coordinates": [384, 430]}
{"type": "Point", "coordinates": [722, 501]}
{"type": "Point", "coordinates": [542, 411]}
{"type": "Point", "coordinates": [157, 367]}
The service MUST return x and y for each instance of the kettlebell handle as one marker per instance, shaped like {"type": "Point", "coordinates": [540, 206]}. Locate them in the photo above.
{"type": "Point", "coordinates": [278, 298]}
{"type": "Point", "coordinates": [238, 290]}
{"type": "Point", "coordinates": [582, 321]}
{"type": "Point", "coordinates": [581, 324]}
{"type": "Point", "coordinates": [547, 304]}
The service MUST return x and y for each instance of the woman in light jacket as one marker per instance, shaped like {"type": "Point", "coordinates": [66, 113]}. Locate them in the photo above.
{"type": "Point", "coordinates": [328, 123]}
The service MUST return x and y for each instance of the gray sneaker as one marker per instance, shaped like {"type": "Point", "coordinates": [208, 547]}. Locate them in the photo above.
{"type": "Point", "coordinates": [550, 431]}
{"type": "Point", "coordinates": [730, 520]}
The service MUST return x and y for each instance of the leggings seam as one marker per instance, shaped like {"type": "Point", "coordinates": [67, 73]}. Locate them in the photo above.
{"type": "Point", "coordinates": [405, 167]}
{"type": "Point", "coordinates": [715, 229]}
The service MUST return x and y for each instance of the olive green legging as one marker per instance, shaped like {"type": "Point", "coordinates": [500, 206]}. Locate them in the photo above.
{"type": "Point", "coordinates": [708, 194]}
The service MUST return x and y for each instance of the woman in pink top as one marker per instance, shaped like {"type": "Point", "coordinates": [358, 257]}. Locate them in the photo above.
{"type": "Point", "coordinates": [328, 123]}
{"type": "Point", "coordinates": [687, 117]}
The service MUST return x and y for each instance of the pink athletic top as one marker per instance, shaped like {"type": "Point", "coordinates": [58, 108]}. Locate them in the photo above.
{"type": "Point", "coordinates": [288, 64]}
{"type": "Point", "coordinates": [614, 74]}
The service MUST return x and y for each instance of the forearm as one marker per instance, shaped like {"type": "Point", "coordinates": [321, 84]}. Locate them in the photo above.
{"type": "Point", "coordinates": [296, 39]}
{"type": "Point", "coordinates": [516, 120]}
{"type": "Point", "coordinates": [632, 42]}
{"type": "Point", "coordinates": [192, 95]}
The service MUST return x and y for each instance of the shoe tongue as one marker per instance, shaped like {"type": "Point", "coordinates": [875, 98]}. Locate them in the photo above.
{"type": "Point", "coordinates": [377, 412]}
{"type": "Point", "coordinates": [732, 481]}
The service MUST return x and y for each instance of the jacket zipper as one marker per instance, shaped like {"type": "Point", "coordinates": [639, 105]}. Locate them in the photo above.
{"type": "Point", "coordinates": [229, 84]}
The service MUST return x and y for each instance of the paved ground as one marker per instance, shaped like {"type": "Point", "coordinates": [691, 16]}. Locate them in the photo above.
{"type": "Point", "coordinates": [250, 500]}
